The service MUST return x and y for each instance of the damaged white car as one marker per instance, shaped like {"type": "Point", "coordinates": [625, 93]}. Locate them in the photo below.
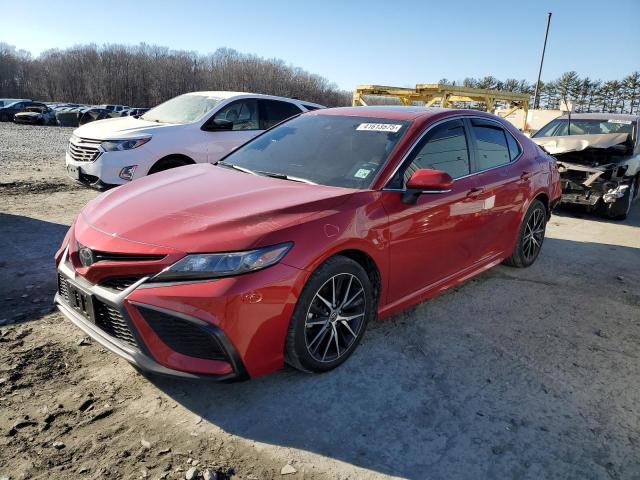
{"type": "Point", "coordinates": [598, 158]}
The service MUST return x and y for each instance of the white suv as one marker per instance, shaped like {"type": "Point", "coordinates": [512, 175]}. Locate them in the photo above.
{"type": "Point", "coordinates": [192, 128]}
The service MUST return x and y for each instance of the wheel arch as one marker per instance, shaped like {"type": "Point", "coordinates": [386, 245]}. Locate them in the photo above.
{"type": "Point", "coordinates": [544, 198]}
{"type": "Point", "coordinates": [369, 265]}
{"type": "Point", "coordinates": [177, 156]}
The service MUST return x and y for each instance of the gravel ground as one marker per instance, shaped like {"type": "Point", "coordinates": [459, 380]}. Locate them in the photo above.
{"type": "Point", "coordinates": [524, 374]}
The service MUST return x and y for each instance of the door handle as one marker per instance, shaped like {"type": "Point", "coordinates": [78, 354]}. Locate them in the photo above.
{"type": "Point", "coordinates": [475, 191]}
{"type": "Point", "coordinates": [525, 176]}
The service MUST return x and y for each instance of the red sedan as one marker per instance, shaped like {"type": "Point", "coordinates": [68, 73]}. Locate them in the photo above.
{"type": "Point", "coordinates": [286, 249]}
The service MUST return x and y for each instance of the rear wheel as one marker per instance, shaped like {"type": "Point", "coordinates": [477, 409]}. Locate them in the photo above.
{"type": "Point", "coordinates": [530, 236]}
{"type": "Point", "coordinates": [330, 317]}
{"type": "Point", "coordinates": [168, 163]}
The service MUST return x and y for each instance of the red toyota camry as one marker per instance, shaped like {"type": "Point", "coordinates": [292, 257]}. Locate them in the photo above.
{"type": "Point", "coordinates": [288, 248]}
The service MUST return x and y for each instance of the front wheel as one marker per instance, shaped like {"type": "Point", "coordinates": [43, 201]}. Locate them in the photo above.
{"type": "Point", "coordinates": [530, 236]}
{"type": "Point", "coordinates": [330, 317]}
{"type": "Point", "coordinates": [619, 210]}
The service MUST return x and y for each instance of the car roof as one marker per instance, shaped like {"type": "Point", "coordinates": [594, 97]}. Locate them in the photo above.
{"type": "Point", "coordinates": [226, 95]}
{"type": "Point", "coordinates": [391, 112]}
{"type": "Point", "coordinates": [599, 116]}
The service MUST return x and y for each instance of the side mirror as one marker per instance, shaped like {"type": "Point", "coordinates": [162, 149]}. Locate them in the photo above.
{"type": "Point", "coordinates": [218, 125]}
{"type": "Point", "coordinates": [426, 181]}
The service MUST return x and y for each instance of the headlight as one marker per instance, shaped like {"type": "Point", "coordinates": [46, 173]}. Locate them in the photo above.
{"type": "Point", "coordinates": [119, 145]}
{"type": "Point", "coordinates": [215, 265]}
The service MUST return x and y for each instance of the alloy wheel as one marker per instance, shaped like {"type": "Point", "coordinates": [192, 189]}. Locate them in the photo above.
{"type": "Point", "coordinates": [533, 235]}
{"type": "Point", "coordinates": [335, 317]}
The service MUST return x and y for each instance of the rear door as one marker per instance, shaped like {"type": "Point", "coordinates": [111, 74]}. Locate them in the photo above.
{"type": "Point", "coordinates": [502, 185]}
{"type": "Point", "coordinates": [433, 240]}
{"type": "Point", "coordinates": [273, 112]}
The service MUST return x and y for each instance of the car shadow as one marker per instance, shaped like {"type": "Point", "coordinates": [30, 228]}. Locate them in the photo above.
{"type": "Point", "coordinates": [579, 211]}
{"type": "Point", "coordinates": [506, 376]}
{"type": "Point", "coordinates": [27, 269]}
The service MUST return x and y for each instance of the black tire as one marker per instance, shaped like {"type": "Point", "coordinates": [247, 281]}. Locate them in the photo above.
{"type": "Point", "coordinates": [305, 341]}
{"type": "Point", "coordinates": [530, 236]}
{"type": "Point", "coordinates": [168, 163]}
{"type": "Point", "coordinates": [619, 210]}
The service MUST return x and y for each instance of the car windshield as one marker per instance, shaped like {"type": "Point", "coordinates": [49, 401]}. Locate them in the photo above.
{"type": "Point", "coordinates": [10, 104]}
{"type": "Point", "coordinates": [340, 151]}
{"type": "Point", "coordinates": [183, 109]}
{"type": "Point", "coordinates": [583, 126]}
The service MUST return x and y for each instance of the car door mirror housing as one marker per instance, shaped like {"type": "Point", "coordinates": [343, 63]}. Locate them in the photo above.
{"type": "Point", "coordinates": [426, 181]}
{"type": "Point", "coordinates": [218, 125]}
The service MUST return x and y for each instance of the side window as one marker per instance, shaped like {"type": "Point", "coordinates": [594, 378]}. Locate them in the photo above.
{"type": "Point", "coordinates": [242, 113]}
{"type": "Point", "coordinates": [514, 148]}
{"type": "Point", "coordinates": [274, 111]}
{"type": "Point", "coordinates": [491, 145]}
{"type": "Point", "coordinates": [443, 148]}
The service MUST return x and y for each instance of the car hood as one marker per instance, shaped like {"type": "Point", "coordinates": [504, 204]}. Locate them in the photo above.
{"type": "Point", "coordinates": [577, 143]}
{"type": "Point", "coordinates": [204, 208]}
{"type": "Point", "coordinates": [120, 128]}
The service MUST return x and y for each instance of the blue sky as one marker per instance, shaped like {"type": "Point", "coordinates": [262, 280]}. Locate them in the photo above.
{"type": "Point", "coordinates": [355, 42]}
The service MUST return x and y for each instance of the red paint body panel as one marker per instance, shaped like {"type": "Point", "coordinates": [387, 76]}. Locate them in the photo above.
{"type": "Point", "coordinates": [419, 250]}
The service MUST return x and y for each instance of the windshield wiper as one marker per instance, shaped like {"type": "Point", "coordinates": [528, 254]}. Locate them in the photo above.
{"type": "Point", "coordinates": [236, 167]}
{"type": "Point", "coordinates": [286, 177]}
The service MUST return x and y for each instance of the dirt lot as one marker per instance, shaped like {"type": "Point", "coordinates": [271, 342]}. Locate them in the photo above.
{"type": "Point", "coordinates": [525, 374]}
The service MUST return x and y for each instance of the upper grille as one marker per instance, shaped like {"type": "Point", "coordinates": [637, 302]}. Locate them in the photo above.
{"type": "Point", "coordinates": [183, 336]}
{"type": "Point", "coordinates": [124, 257]}
{"type": "Point", "coordinates": [84, 152]}
{"type": "Point", "coordinates": [112, 322]}
{"type": "Point", "coordinates": [119, 283]}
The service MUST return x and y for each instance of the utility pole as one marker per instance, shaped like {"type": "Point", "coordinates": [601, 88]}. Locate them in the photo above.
{"type": "Point", "coordinates": [546, 34]}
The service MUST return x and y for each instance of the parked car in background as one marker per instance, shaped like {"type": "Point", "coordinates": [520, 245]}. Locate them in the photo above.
{"type": "Point", "coordinates": [9, 110]}
{"type": "Point", "coordinates": [192, 128]}
{"type": "Point", "coordinates": [7, 101]}
{"type": "Point", "coordinates": [136, 112]}
{"type": "Point", "coordinates": [598, 158]}
{"type": "Point", "coordinates": [36, 114]}
{"type": "Point", "coordinates": [114, 108]}
{"type": "Point", "coordinates": [287, 248]}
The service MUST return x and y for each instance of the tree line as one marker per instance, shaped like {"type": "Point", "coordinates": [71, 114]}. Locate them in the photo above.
{"type": "Point", "coordinates": [586, 94]}
{"type": "Point", "coordinates": [146, 75]}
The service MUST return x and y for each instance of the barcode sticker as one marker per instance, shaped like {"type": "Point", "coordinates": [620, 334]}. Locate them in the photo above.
{"type": "Point", "coordinates": [379, 127]}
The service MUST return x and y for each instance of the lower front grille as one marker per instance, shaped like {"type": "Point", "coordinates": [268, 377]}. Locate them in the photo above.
{"type": "Point", "coordinates": [113, 323]}
{"type": "Point", "coordinates": [63, 290]}
{"type": "Point", "coordinates": [104, 316]}
{"type": "Point", "coordinates": [183, 336]}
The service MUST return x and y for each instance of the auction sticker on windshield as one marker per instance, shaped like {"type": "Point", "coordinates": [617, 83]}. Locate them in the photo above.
{"type": "Point", "coordinates": [379, 127]}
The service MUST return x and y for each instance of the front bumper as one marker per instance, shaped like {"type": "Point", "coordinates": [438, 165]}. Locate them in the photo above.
{"type": "Point", "coordinates": [104, 171]}
{"type": "Point", "coordinates": [80, 301]}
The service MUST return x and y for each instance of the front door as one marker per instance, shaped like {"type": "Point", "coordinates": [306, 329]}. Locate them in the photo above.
{"type": "Point", "coordinates": [433, 240]}
{"type": "Point", "coordinates": [244, 115]}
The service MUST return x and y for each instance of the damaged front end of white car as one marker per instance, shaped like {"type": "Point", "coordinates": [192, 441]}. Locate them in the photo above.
{"type": "Point", "coordinates": [599, 171]}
